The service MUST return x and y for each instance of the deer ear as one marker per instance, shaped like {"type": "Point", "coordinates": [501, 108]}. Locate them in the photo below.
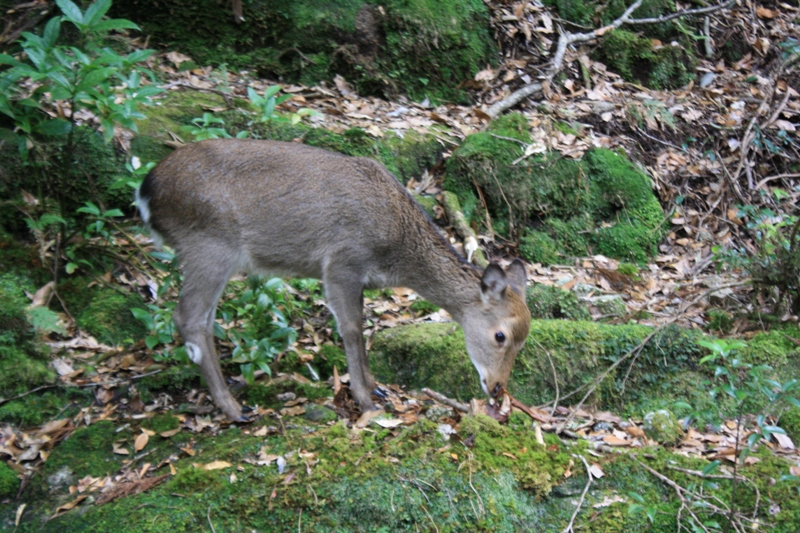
{"type": "Point", "coordinates": [493, 283]}
{"type": "Point", "coordinates": [517, 278]}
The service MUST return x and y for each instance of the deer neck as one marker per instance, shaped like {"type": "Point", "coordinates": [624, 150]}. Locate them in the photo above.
{"type": "Point", "coordinates": [442, 277]}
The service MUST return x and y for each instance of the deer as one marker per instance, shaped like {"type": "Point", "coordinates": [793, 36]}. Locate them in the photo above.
{"type": "Point", "coordinates": [291, 210]}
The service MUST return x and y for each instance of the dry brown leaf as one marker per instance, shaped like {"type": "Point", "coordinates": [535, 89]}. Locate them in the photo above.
{"type": "Point", "coordinates": [70, 505]}
{"type": "Point", "coordinates": [612, 440]}
{"type": "Point", "coordinates": [140, 442]}
{"type": "Point", "coordinates": [217, 465]}
{"type": "Point", "coordinates": [52, 426]}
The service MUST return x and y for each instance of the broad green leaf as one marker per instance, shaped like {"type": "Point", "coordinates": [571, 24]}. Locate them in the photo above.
{"type": "Point", "coordinates": [115, 24]}
{"type": "Point", "coordinates": [272, 91]}
{"type": "Point", "coordinates": [6, 59]}
{"type": "Point", "coordinates": [90, 209]}
{"type": "Point", "coordinates": [96, 11]}
{"type": "Point", "coordinates": [71, 11]}
{"type": "Point", "coordinates": [108, 129]}
{"type": "Point", "coordinates": [113, 213]}
{"type": "Point", "coordinates": [94, 78]}
{"type": "Point", "coordinates": [51, 31]}
{"type": "Point", "coordinates": [139, 55]}
{"type": "Point", "coordinates": [56, 126]}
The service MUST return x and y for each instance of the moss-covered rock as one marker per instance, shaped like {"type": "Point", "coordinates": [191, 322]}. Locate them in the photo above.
{"type": "Point", "coordinates": [603, 203]}
{"type": "Point", "coordinates": [637, 60]}
{"type": "Point", "coordinates": [634, 55]}
{"type": "Point", "coordinates": [663, 427]}
{"type": "Point", "coordinates": [665, 372]}
{"type": "Point", "coordinates": [547, 302]}
{"type": "Point", "coordinates": [419, 47]}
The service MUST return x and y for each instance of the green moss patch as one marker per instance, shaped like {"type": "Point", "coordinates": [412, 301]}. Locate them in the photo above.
{"type": "Point", "coordinates": [634, 55]}
{"type": "Point", "coordinates": [546, 302]}
{"type": "Point", "coordinates": [104, 312]}
{"type": "Point", "coordinates": [558, 207]}
{"type": "Point", "coordinates": [666, 371]}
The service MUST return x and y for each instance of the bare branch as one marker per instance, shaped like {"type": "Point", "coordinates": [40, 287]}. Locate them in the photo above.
{"type": "Point", "coordinates": [566, 39]}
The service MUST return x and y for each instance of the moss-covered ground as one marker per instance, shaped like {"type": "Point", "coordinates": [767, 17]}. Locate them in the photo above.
{"type": "Point", "coordinates": [487, 477]}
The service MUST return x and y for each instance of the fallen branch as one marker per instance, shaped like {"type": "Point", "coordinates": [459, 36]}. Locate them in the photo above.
{"type": "Point", "coordinates": [569, 528]}
{"type": "Point", "coordinates": [441, 398]}
{"type": "Point", "coordinates": [456, 217]}
{"type": "Point", "coordinates": [567, 39]}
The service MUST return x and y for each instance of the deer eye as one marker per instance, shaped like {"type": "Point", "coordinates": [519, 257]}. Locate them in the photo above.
{"type": "Point", "coordinates": [500, 337]}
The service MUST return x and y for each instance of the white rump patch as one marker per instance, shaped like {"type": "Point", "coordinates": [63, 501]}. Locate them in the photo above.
{"type": "Point", "coordinates": [143, 206]}
{"type": "Point", "coordinates": [144, 209]}
{"type": "Point", "coordinates": [194, 352]}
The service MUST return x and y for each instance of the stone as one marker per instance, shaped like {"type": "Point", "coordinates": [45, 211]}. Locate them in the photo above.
{"type": "Point", "coordinates": [663, 427]}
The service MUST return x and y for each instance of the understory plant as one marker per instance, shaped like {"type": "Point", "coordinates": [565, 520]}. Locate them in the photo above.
{"type": "Point", "coordinates": [738, 388]}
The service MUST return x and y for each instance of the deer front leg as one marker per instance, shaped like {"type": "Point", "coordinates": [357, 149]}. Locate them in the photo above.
{"type": "Point", "coordinates": [194, 317]}
{"type": "Point", "coordinates": [346, 301]}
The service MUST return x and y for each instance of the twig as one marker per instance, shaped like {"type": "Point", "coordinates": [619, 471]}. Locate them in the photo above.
{"type": "Point", "coordinates": [569, 529]}
{"type": "Point", "coordinates": [441, 398]}
{"type": "Point", "coordinates": [18, 396]}
{"type": "Point", "coordinates": [501, 137]}
{"type": "Point", "coordinates": [555, 377]}
{"type": "Point", "coordinates": [665, 143]}
{"type": "Point", "coordinates": [677, 14]}
{"type": "Point", "coordinates": [208, 517]}
{"type": "Point", "coordinates": [566, 39]}
{"type": "Point", "coordinates": [776, 177]}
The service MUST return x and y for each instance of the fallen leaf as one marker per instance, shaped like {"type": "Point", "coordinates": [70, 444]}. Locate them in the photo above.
{"type": "Point", "coordinates": [140, 442]}
{"type": "Point", "coordinates": [611, 440]}
{"type": "Point", "coordinates": [52, 426]}
{"type": "Point", "coordinates": [217, 465]}
{"type": "Point", "coordinates": [71, 505]}
{"type": "Point", "coordinates": [596, 471]}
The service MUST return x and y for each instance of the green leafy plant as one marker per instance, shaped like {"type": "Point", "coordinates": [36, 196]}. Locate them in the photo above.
{"type": "Point", "coordinates": [262, 329]}
{"type": "Point", "coordinates": [57, 97]}
{"type": "Point", "coordinates": [266, 106]}
{"type": "Point", "coordinates": [203, 128]}
{"type": "Point", "coordinates": [738, 385]}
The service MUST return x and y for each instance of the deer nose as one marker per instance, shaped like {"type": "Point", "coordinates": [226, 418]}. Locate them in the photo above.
{"type": "Point", "coordinates": [496, 390]}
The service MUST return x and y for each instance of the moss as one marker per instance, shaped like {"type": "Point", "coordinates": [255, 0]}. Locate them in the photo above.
{"type": "Point", "coordinates": [423, 307]}
{"type": "Point", "coordinates": [603, 203]}
{"type": "Point", "coordinates": [9, 482]}
{"type": "Point", "coordinates": [538, 247]}
{"type": "Point", "coordinates": [535, 467]}
{"type": "Point", "coordinates": [629, 269]}
{"type": "Point", "coordinates": [663, 427]}
{"type": "Point", "coordinates": [175, 378]}
{"type": "Point", "coordinates": [23, 359]}
{"type": "Point", "coordinates": [36, 409]}
{"type": "Point", "coordinates": [636, 59]}
{"type": "Point", "coordinates": [104, 312]}
{"type": "Point", "coordinates": [434, 355]}
{"type": "Point", "coordinates": [419, 47]}
{"type": "Point", "coordinates": [328, 357]}
{"type": "Point", "coordinates": [87, 452]}
{"type": "Point", "coordinates": [161, 422]}
{"type": "Point", "coordinates": [547, 302]}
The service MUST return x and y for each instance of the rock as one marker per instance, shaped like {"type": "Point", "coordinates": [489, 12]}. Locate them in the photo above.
{"type": "Point", "coordinates": [319, 413]}
{"type": "Point", "coordinates": [609, 304]}
{"type": "Point", "coordinates": [584, 289]}
{"type": "Point", "coordinates": [437, 413]}
{"type": "Point", "coordinates": [663, 427]}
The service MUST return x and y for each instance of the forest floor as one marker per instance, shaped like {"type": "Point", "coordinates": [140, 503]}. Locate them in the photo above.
{"type": "Point", "coordinates": [110, 459]}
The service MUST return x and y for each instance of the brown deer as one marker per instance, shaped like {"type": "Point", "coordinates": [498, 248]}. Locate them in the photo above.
{"type": "Point", "coordinates": [288, 209]}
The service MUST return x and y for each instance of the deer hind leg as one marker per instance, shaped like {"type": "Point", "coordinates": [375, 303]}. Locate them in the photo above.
{"type": "Point", "coordinates": [205, 279]}
{"type": "Point", "coordinates": [346, 301]}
